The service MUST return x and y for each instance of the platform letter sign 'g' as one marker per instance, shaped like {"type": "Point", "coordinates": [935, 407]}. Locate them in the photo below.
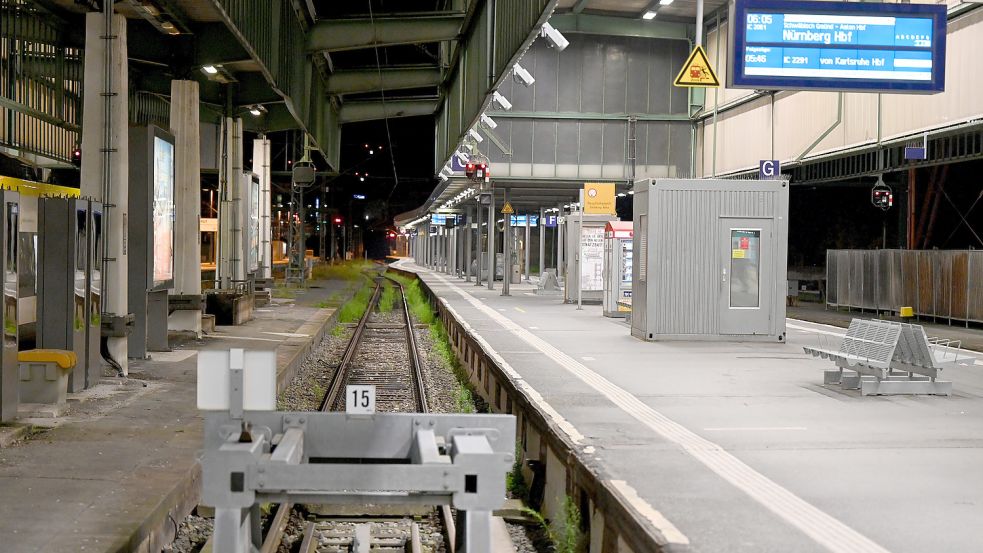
{"type": "Point", "coordinates": [769, 169]}
{"type": "Point", "coordinates": [359, 399]}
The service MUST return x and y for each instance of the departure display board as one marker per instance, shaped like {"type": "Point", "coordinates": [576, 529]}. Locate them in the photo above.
{"type": "Point", "coordinates": [875, 47]}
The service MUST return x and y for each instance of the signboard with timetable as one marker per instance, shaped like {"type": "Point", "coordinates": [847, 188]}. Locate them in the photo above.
{"type": "Point", "coordinates": [877, 47]}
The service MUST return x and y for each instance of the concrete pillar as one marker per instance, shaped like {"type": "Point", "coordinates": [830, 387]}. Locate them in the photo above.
{"type": "Point", "coordinates": [507, 244]}
{"type": "Point", "coordinates": [479, 260]}
{"type": "Point", "coordinates": [187, 202]}
{"type": "Point", "coordinates": [561, 266]}
{"type": "Point", "coordinates": [528, 245]}
{"type": "Point", "coordinates": [261, 166]}
{"type": "Point", "coordinates": [491, 242]}
{"type": "Point", "coordinates": [542, 242]}
{"type": "Point", "coordinates": [230, 256]}
{"type": "Point", "coordinates": [468, 235]}
{"type": "Point", "coordinates": [104, 175]}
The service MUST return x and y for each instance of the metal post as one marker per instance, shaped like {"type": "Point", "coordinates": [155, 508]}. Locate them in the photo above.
{"type": "Point", "coordinates": [699, 23]}
{"type": "Point", "coordinates": [477, 257]}
{"type": "Point", "coordinates": [491, 242]}
{"type": "Point", "coordinates": [579, 253]}
{"type": "Point", "coordinates": [527, 247]}
{"type": "Point", "coordinates": [561, 266]}
{"type": "Point", "coordinates": [467, 245]}
{"type": "Point", "coordinates": [506, 248]}
{"type": "Point", "coordinates": [542, 243]}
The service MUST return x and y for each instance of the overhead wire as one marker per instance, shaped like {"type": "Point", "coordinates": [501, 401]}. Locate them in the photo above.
{"type": "Point", "coordinates": [385, 112]}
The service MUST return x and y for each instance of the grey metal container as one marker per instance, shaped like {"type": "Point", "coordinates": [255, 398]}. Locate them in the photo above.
{"type": "Point", "coordinates": [710, 260]}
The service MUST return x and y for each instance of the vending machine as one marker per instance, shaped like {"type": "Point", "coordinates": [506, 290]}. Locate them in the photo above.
{"type": "Point", "coordinates": [63, 291]}
{"type": "Point", "coordinates": [9, 372]}
{"type": "Point", "coordinates": [618, 236]}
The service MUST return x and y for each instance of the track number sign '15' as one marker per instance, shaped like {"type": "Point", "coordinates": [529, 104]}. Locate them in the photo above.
{"type": "Point", "coordinates": [359, 399]}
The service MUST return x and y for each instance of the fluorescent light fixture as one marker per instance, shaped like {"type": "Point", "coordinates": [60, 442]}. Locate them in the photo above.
{"type": "Point", "coordinates": [650, 14]}
{"type": "Point", "coordinates": [621, 194]}
{"type": "Point", "coordinates": [358, 196]}
{"type": "Point", "coordinates": [488, 121]}
{"type": "Point", "coordinates": [210, 69]}
{"type": "Point", "coordinates": [501, 101]}
{"type": "Point", "coordinates": [255, 111]}
{"type": "Point", "coordinates": [665, 2]}
{"type": "Point", "coordinates": [443, 177]}
{"type": "Point", "coordinates": [524, 76]}
{"type": "Point", "coordinates": [631, 192]}
{"type": "Point", "coordinates": [474, 134]}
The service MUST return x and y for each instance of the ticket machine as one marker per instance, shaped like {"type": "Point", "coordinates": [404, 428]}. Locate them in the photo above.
{"type": "Point", "coordinates": [618, 236]}
{"type": "Point", "coordinates": [9, 372]}
{"type": "Point", "coordinates": [63, 296]}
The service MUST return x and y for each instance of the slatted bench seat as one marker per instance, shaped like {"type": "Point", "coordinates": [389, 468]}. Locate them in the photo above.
{"type": "Point", "coordinates": [890, 358]}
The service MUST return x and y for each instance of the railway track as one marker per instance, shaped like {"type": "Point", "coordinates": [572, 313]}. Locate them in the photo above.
{"type": "Point", "coordinates": [374, 356]}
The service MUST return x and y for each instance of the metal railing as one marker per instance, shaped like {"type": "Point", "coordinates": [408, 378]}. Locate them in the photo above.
{"type": "Point", "coordinates": [942, 284]}
{"type": "Point", "coordinates": [40, 83]}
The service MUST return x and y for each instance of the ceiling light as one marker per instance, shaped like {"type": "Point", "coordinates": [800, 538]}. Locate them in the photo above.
{"type": "Point", "coordinates": [210, 69]}
{"type": "Point", "coordinates": [501, 101]}
{"type": "Point", "coordinates": [255, 111]}
{"type": "Point", "coordinates": [650, 14]}
{"type": "Point", "coordinates": [524, 75]}
{"type": "Point", "coordinates": [665, 2]}
{"type": "Point", "coordinates": [475, 135]}
{"type": "Point", "coordinates": [555, 38]}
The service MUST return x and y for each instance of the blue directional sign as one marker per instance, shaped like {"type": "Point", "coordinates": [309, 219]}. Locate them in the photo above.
{"type": "Point", "coordinates": [878, 47]}
{"type": "Point", "coordinates": [769, 169]}
{"type": "Point", "coordinates": [520, 220]}
{"type": "Point", "coordinates": [549, 221]}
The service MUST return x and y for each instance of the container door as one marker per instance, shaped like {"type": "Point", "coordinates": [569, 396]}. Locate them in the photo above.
{"type": "Point", "coordinates": [745, 275]}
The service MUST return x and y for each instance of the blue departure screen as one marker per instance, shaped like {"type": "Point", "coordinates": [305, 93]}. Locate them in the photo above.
{"type": "Point", "coordinates": [836, 45]}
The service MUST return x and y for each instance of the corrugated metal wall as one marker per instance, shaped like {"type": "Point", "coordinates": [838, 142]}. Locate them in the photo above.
{"type": "Point", "coordinates": [935, 283]}
{"type": "Point", "coordinates": [752, 132]}
{"type": "Point", "coordinates": [573, 122]}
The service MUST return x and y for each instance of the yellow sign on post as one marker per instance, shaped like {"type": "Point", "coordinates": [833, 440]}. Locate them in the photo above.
{"type": "Point", "coordinates": [599, 198]}
{"type": "Point", "coordinates": [696, 72]}
{"type": "Point", "coordinates": [507, 209]}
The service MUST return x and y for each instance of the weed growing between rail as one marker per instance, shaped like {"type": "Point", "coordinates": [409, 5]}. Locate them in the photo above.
{"type": "Point", "coordinates": [353, 310]}
{"type": "Point", "coordinates": [464, 399]}
{"type": "Point", "coordinates": [349, 270]}
{"type": "Point", "coordinates": [388, 297]}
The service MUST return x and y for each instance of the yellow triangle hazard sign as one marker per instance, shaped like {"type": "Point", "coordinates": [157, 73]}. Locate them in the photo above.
{"type": "Point", "coordinates": [696, 72]}
{"type": "Point", "coordinates": [507, 209]}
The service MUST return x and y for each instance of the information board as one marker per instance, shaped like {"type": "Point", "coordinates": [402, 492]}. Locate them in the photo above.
{"type": "Point", "coordinates": [592, 259]}
{"type": "Point", "coordinates": [852, 46]}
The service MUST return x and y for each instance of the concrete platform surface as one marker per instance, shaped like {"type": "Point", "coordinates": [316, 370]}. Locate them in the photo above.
{"type": "Point", "coordinates": [739, 446]}
{"type": "Point", "coordinates": [122, 461]}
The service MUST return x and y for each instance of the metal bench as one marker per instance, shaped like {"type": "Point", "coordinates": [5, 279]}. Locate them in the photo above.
{"type": "Point", "coordinates": [891, 358]}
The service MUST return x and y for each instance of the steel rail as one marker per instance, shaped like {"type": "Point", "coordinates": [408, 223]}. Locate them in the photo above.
{"type": "Point", "coordinates": [413, 352]}
{"type": "Point", "coordinates": [341, 375]}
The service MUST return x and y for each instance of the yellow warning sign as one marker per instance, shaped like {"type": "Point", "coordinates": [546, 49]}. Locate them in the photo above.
{"type": "Point", "coordinates": [737, 254]}
{"type": "Point", "coordinates": [696, 72]}
{"type": "Point", "coordinates": [507, 209]}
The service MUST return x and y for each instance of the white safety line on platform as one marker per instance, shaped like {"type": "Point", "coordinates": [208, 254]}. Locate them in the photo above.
{"type": "Point", "coordinates": [520, 310]}
{"type": "Point", "coordinates": [754, 428]}
{"type": "Point", "coordinates": [288, 334]}
{"type": "Point", "coordinates": [839, 332]}
{"type": "Point", "coordinates": [251, 338]}
{"type": "Point", "coordinates": [820, 526]}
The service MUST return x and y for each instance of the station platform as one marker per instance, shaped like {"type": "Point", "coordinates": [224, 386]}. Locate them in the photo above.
{"type": "Point", "coordinates": [118, 472]}
{"type": "Point", "coordinates": [739, 446]}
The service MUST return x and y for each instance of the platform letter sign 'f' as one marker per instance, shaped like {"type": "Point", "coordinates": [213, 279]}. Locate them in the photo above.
{"type": "Point", "coordinates": [769, 169]}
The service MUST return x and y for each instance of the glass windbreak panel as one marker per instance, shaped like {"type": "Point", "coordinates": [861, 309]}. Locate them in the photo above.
{"type": "Point", "coordinates": [745, 261]}
{"type": "Point", "coordinates": [81, 228]}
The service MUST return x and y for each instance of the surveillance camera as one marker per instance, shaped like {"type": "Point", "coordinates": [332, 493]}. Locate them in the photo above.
{"type": "Point", "coordinates": [555, 38]}
{"type": "Point", "coordinates": [474, 134]}
{"type": "Point", "coordinates": [525, 76]}
{"type": "Point", "coordinates": [501, 101]}
{"type": "Point", "coordinates": [488, 121]}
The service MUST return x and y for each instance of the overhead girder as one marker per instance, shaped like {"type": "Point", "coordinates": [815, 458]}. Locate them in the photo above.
{"type": "Point", "coordinates": [352, 34]}
{"type": "Point", "coordinates": [353, 112]}
{"type": "Point", "coordinates": [370, 80]}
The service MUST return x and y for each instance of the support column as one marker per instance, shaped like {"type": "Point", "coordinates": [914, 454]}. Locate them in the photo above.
{"type": "Point", "coordinates": [230, 257]}
{"type": "Point", "coordinates": [261, 166]}
{"type": "Point", "coordinates": [468, 235]}
{"type": "Point", "coordinates": [542, 242]}
{"type": "Point", "coordinates": [560, 265]}
{"type": "Point", "coordinates": [187, 203]}
{"type": "Point", "coordinates": [491, 242]}
{"type": "Point", "coordinates": [105, 160]}
{"type": "Point", "coordinates": [479, 260]}
{"type": "Point", "coordinates": [528, 246]}
{"type": "Point", "coordinates": [507, 244]}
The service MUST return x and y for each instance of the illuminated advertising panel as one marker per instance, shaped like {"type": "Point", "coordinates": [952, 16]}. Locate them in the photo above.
{"type": "Point", "coordinates": [163, 212]}
{"type": "Point", "coordinates": [876, 47]}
